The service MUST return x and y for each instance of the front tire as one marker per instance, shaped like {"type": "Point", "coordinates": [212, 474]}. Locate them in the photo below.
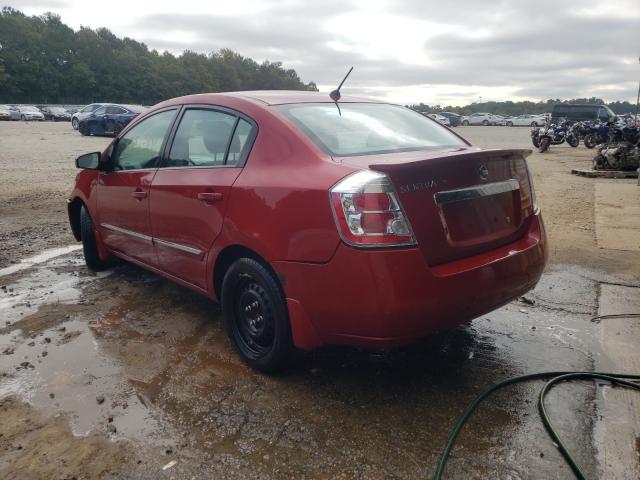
{"type": "Point", "coordinates": [465, 123]}
{"type": "Point", "coordinates": [544, 144]}
{"type": "Point", "coordinates": [509, 124]}
{"type": "Point", "coordinates": [89, 242]}
{"type": "Point", "coordinates": [590, 141]}
{"type": "Point", "coordinates": [534, 124]}
{"type": "Point", "coordinates": [74, 123]}
{"type": "Point", "coordinates": [573, 141]}
{"type": "Point", "coordinates": [256, 316]}
{"type": "Point", "coordinates": [485, 123]}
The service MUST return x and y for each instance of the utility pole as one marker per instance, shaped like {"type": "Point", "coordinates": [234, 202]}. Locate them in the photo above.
{"type": "Point", "coordinates": [638, 105]}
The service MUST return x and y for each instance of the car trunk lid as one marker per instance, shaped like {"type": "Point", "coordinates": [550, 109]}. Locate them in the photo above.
{"type": "Point", "coordinates": [460, 202]}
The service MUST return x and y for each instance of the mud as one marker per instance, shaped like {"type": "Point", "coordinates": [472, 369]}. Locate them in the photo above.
{"type": "Point", "coordinates": [126, 375]}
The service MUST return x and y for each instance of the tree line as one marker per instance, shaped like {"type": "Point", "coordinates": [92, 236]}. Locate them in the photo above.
{"type": "Point", "coordinates": [42, 60]}
{"type": "Point", "coordinates": [520, 108]}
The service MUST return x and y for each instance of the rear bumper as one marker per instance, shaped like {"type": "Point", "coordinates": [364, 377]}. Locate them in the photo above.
{"type": "Point", "coordinates": [386, 298]}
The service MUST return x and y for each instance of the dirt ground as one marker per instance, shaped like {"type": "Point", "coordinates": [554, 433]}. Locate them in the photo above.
{"type": "Point", "coordinates": [126, 375]}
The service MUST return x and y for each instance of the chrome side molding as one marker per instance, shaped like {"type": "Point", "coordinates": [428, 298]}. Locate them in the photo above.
{"type": "Point", "coordinates": [177, 246]}
{"type": "Point", "coordinates": [477, 191]}
{"type": "Point", "coordinates": [141, 236]}
{"type": "Point", "coordinates": [124, 231]}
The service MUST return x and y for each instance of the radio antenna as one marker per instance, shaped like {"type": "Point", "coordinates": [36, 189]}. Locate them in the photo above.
{"type": "Point", "coordinates": [335, 95]}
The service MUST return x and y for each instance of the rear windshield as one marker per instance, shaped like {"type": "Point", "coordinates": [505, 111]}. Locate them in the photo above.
{"type": "Point", "coordinates": [367, 128]}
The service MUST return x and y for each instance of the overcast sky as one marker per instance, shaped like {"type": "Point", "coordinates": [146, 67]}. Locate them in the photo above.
{"type": "Point", "coordinates": [407, 51]}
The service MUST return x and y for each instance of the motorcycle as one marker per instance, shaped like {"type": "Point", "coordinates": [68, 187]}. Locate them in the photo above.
{"type": "Point", "coordinates": [552, 134]}
{"type": "Point", "coordinates": [622, 150]}
{"type": "Point", "coordinates": [596, 134]}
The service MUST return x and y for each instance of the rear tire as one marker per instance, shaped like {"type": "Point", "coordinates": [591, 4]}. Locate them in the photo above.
{"type": "Point", "coordinates": [485, 123]}
{"type": "Point", "coordinates": [573, 141]}
{"type": "Point", "coordinates": [89, 242]}
{"type": "Point", "coordinates": [534, 124]}
{"type": "Point", "coordinates": [509, 124]}
{"type": "Point", "coordinates": [465, 123]}
{"type": "Point", "coordinates": [256, 316]}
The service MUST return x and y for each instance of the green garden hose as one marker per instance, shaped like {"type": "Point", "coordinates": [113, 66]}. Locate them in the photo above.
{"type": "Point", "coordinates": [553, 378]}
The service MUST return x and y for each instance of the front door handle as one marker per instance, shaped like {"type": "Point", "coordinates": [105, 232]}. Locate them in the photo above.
{"type": "Point", "coordinates": [209, 196]}
{"type": "Point", "coordinates": [139, 193]}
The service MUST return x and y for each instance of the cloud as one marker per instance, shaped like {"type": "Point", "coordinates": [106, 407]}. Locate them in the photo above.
{"type": "Point", "coordinates": [412, 50]}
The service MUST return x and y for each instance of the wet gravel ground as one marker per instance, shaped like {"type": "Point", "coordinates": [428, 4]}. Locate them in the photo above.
{"type": "Point", "coordinates": [123, 374]}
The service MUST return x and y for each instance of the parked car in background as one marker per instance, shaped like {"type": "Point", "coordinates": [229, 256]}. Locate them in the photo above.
{"type": "Point", "coordinates": [501, 120]}
{"type": "Point", "coordinates": [454, 118]}
{"type": "Point", "coordinates": [57, 114]}
{"type": "Point", "coordinates": [8, 113]}
{"type": "Point", "coordinates": [439, 118]}
{"type": "Point", "coordinates": [274, 202]}
{"type": "Point", "coordinates": [83, 113]}
{"type": "Point", "coordinates": [527, 121]}
{"type": "Point", "coordinates": [29, 113]}
{"type": "Point", "coordinates": [580, 112]}
{"type": "Point", "coordinates": [481, 119]}
{"type": "Point", "coordinates": [108, 119]}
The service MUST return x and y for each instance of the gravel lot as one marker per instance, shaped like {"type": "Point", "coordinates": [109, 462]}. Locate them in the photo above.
{"type": "Point", "coordinates": [121, 374]}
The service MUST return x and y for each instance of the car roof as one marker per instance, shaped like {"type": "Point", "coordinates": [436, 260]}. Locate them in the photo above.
{"type": "Point", "coordinates": [281, 97]}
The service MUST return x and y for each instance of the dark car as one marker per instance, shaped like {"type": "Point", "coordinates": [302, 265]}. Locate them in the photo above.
{"type": "Point", "coordinates": [366, 225]}
{"type": "Point", "coordinates": [454, 118]}
{"type": "Point", "coordinates": [109, 119]}
{"type": "Point", "coordinates": [579, 112]}
{"type": "Point", "coordinates": [57, 114]}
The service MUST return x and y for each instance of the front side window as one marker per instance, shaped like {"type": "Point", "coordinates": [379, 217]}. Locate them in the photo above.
{"type": "Point", "coordinates": [100, 111]}
{"type": "Point", "coordinates": [202, 139]}
{"type": "Point", "coordinates": [367, 128]}
{"type": "Point", "coordinates": [140, 147]}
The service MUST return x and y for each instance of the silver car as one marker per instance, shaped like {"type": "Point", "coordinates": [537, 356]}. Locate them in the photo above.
{"type": "Point", "coordinates": [8, 113]}
{"type": "Point", "coordinates": [526, 121]}
{"type": "Point", "coordinates": [485, 119]}
{"type": "Point", "coordinates": [29, 113]}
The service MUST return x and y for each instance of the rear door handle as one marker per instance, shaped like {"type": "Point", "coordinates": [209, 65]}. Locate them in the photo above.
{"type": "Point", "coordinates": [139, 193]}
{"type": "Point", "coordinates": [209, 196]}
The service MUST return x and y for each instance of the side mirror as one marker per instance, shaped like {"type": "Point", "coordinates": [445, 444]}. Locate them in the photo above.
{"type": "Point", "coordinates": [88, 160]}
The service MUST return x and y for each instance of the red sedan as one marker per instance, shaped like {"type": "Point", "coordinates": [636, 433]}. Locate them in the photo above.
{"type": "Point", "coordinates": [313, 222]}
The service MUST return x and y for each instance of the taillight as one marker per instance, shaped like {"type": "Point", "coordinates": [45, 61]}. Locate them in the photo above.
{"type": "Point", "coordinates": [368, 213]}
{"type": "Point", "coordinates": [534, 201]}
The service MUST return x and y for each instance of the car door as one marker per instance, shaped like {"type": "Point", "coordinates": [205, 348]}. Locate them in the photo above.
{"type": "Point", "coordinates": [111, 118]}
{"type": "Point", "coordinates": [123, 190]}
{"type": "Point", "coordinates": [190, 190]}
{"type": "Point", "coordinates": [474, 119]}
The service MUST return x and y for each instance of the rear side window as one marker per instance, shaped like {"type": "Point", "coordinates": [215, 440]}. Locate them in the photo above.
{"type": "Point", "coordinates": [140, 147]}
{"type": "Point", "coordinates": [368, 128]}
{"type": "Point", "coordinates": [202, 139]}
{"type": "Point", "coordinates": [239, 142]}
{"type": "Point", "coordinates": [116, 110]}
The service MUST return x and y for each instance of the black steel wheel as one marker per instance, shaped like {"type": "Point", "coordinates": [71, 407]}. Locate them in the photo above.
{"type": "Point", "coordinates": [255, 315]}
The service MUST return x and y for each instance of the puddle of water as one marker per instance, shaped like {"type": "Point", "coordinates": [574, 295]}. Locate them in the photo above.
{"type": "Point", "coordinates": [64, 370]}
{"type": "Point", "coordinates": [40, 258]}
{"type": "Point", "coordinates": [53, 283]}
